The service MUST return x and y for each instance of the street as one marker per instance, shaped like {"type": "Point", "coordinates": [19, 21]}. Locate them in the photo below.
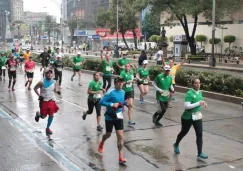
{"type": "Point", "coordinates": [74, 143]}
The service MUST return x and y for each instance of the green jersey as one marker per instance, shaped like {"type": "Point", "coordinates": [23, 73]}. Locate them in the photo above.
{"type": "Point", "coordinates": [192, 96]}
{"type": "Point", "coordinates": [164, 83]}
{"type": "Point", "coordinates": [127, 76]}
{"type": "Point", "coordinates": [52, 60]}
{"type": "Point", "coordinates": [143, 74]}
{"type": "Point", "coordinates": [77, 60]}
{"type": "Point", "coordinates": [122, 62]}
{"type": "Point", "coordinates": [3, 61]}
{"type": "Point", "coordinates": [95, 86]}
{"type": "Point", "coordinates": [107, 67]}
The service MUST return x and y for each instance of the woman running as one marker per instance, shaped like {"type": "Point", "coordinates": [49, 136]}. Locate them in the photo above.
{"type": "Point", "coordinates": [143, 80]}
{"type": "Point", "coordinates": [192, 116]}
{"type": "Point", "coordinates": [94, 91]}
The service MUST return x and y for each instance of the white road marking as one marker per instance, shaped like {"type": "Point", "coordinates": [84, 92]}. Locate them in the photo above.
{"type": "Point", "coordinates": [81, 107]}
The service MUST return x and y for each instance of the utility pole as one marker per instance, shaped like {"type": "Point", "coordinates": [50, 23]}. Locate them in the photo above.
{"type": "Point", "coordinates": [213, 60]}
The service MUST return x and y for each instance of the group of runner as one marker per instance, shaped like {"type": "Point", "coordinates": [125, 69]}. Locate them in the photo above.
{"type": "Point", "coordinates": [114, 99]}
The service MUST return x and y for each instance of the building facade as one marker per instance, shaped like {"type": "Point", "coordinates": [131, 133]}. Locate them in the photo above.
{"type": "Point", "coordinates": [5, 5]}
{"type": "Point", "coordinates": [17, 10]}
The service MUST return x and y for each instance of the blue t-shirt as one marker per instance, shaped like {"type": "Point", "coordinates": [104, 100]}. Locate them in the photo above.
{"type": "Point", "coordinates": [112, 96]}
{"type": "Point", "coordinates": [16, 55]}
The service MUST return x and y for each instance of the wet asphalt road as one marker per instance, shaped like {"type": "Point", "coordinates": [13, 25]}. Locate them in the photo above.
{"type": "Point", "coordinates": [74, 143]}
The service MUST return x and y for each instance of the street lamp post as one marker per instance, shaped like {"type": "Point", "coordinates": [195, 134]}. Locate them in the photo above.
{"type": "Point", "coordinates": [223, 28]}
{"type": "Point", "coordinates": [213, 60]}
{"type": "Point", "coordinates": [117, 22]}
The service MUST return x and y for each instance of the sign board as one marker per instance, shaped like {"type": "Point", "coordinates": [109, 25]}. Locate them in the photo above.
{"type": "Point", "coordinates": [80, 33]}
{"type": "Point", "coordinates": [180, 38]}
{"type": "Point", "coordinates": [44, 37]}
{"type": "Point", "coordinates": [96, 37]}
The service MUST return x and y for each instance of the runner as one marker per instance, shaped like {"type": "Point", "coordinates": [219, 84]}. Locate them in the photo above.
{"type": "Point", "coordinates": [192, 116]}
{"type": "Point", "coordinates": [114, 102]}
{"type": "Point", "coordinates": [44, 56]}
{"type": "Point", "coordinates": [16, 55]}
{"type": "Point", "coordinates": [29, 69]}
{"type": "Point", "coordinates": [128, 79]}
{"type": "Point", "coordinates": [46, 97]}
{"type": "Point", "coordinates": [12, 67]}
{"type": "Point", "coordinates": [77, 63]}
{"type": "Point", "coordinates": [58, 53]}
{"type": "Point", "coordinates": [122, 62]}
{"type": "Point", "coordinates": [163, 86]}
{"type": "Point", "coordinates": [158, 56]}
{"type": "Point", "coordinates": [174, 69]}
{"type": "Point", "coordinates": [94, 91]}
{"type": "Point", "coordinates": [3, 61]}
{"type": "Point", "coordinates": [143, 80]}
{"type": "Point", "coordinates": [26, 55]}
{"type": "Point", "coordinates": [107, 65]}
{"type": "Point", "coordinates": [58, 67]}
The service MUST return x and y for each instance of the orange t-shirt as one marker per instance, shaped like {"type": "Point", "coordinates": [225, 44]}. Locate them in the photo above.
{"type": "Point", "coordinates": [26, 57]}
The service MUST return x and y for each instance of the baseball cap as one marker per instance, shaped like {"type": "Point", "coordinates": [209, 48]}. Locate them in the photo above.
{"type": "Point", "coordinates": [167, 68]}
{"type": "Point", "coordinates": [79, 53]}
{"type": "Point", "coordinates": [117, 79]}
{"type": "Point", "coordinates": [145, 62]}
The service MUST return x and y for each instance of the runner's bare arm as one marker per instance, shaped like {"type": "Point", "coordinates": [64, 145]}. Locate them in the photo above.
{"type": "Point", "coordinates": [92, 92]}
{"type": "Point", "coordinates": [38, 86]}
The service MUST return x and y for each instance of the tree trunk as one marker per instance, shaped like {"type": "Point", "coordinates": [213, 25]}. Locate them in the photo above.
{"type": "Point", "coordinates": [193, 46]}
{"type": "Point", "coordinates": [49, 37]}
{"type": "Point", "coordinates": [124, 40]}
{"type": "Point", "coordinates": [72, 35]}
{"type": "Point", "coordinates": [135, 39]}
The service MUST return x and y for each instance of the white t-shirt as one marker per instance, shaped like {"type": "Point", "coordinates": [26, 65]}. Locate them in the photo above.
{"type": "Point", "coordinates": [61, 54]}
{"type": "Point", "coordinates": [159, 55]}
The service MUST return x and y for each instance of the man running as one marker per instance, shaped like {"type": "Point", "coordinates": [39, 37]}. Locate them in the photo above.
{"type": "Point", "coordinates": [114, 102]}
{"type": "Point", "coordinates": [163, 86]}
{"type": "Point", "coordinates": [3, 60]}
{"type": "Point", "coordinates": [174, 69]}
{"type": "Point", "coordinates": [58, 67]}
{"type": "Point", "coordinates": [122, 62]}
{"type": "Point", "coordinates": [29, 69]}
{"type": "Point", "coordinates": [77, 63]}
{"type": "Point", "coordinates": [44, 56]}
{"type": "Point", "coordinates": [94, 91]}
{"type": "Point", "coordinates": [128, 78]}
{"type": "Point", "coordinates": [58, 53]}
{"type": "Point", "coordinates": [107, 65]}
{"type": "Point", "coordinates": [26, 55]}
{"type": "Point", "coordinates": [46, 97]}
{"type": "Point", "coordinates": [12, 69]}
{"type": "Point", "coordinates": [158, 56]}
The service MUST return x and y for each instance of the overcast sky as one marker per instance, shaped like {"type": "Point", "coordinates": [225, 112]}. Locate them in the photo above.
{"type": "Point", "coordinates": [43, 6]}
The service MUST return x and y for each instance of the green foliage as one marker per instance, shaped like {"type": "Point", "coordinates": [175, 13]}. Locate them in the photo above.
{"type": "Point", "coordinates": [216, 41]}
{"type": "Point", "coordinates": [160, 39]}
{"type": "Point", "coordinates": [172, 38]}
{"type": "Point", "coordinates": [201, 38]}
{"type": "Point", "coordinates": [229, 39]}
{"type": "Point", "coordinates": [49, 25]}
{"type": "Point", "coordinates": [153, 38]}
{"type": "Point", "coordinates": [102, 18]}
{"type": "Point", "coordinates": [151, 24]}
{"type": "Point", "coordinates": [72, 25]}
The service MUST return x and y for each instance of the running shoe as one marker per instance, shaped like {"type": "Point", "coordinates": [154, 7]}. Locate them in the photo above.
{"type": "Point", "coordinates": [176, 149]}
{"type": "Point", "coordinates": [13, 89]}
{"type": "Point", "coordinates": [131, 123]}
{"type": "Point", "coordinates": [37, 116]}
{"type": "Point", "coordinates": [84, 115]}
{"type": "Point", "coordinates": [202, 156]}
{"type": "Point", "coordinates": [169, 106]}
{"type": "Point", "coordinates": [58, 92]}
{"type": "Point", "coordinates": [122, 160]}
{"type": "Point", "coordinates": [99, 128]}
{"type": "Point", "coordinates": [157, 123]}
{"type": "Point", "coordinates": [26, 84]}
{"type": "Point", "coordinates": [173, 97]}
{"type": "Point", "coordinates": [48, 131]}
{"type": "Point", "coordinates": [71, 78]}
{"type": "Point", "coordinates": [101, 147]}
{"type": "Point", "coordinates": [140, 101]}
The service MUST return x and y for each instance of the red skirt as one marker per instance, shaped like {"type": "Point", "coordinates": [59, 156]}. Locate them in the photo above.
{"type": "Point", "coordinates": [48, 108]}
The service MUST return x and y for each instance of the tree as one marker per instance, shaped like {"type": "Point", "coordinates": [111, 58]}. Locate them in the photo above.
{"type": "Point", "coordinates": [216, 41]}
{"type": "Point", "coordinates": [50, 24]}
{"type": "Point", "coordinates": [153, 38]}
{"type": "Point", "coordinates": [229, 39]}
{"type": "Point", "coordinates": [172, 39]}
{"type": "Point", "coordinates": [201, 38]}
{"type": "Point", "coordinates": [103, 17]}
{"type": "Point", "coordinates": [58, 32]}
{"type": "Point", "coordinates": [160, 39]}
{"type": "Point", "coordinates": [151, 24]}
{"type": "Point", "coordinates": [72, 25]}
{"type": "Point", "coordinates": [181, 10]}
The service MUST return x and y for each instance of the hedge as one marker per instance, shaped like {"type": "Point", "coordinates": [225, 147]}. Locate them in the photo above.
{"type": "Point", "coordinates": [210, 81]}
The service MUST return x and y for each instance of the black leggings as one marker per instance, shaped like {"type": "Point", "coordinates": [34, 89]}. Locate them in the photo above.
{"type": "Point", "coordinates": [94, 103]}
{"type": "Point", "coordinates": [185, 127]}
{"type": "Point", "coordinates": [58, 74]}
{"type": "Point", "coordinates": [108, 79]}
{"type": "Point", "coordinates": [160, 113]}
{"type": "Point", "coordinates": [2, 72]}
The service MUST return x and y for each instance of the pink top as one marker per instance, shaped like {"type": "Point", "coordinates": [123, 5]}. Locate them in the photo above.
{"type": "Point", "coordinates": [29, 66]}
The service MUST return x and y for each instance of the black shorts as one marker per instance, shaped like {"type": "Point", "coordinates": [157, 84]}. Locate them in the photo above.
{"type": "Point", "coordinates": [129, 95]}
{"type": "Point", "coordinates": [30, 74]}
{"type": "Point", "coordinates": [76, 70]}
{"type": "Point", "coordinates": [21, 59]}
{"type": "Point", "coordinates": [141, 83]}
{"type": "Point", "coordinates": [118, 124]}
{"type": "Point", "coordinates": [12, 74]}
